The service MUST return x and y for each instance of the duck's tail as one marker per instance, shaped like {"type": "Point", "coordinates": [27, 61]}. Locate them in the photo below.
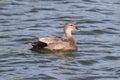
{"type": "Point", "coordinates": [38, 44]}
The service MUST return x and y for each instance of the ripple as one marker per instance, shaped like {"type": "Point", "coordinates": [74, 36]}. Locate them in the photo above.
{"type": "Point", "coordinates": [88, 62]}
{"type": "Point", "coordinates": [6, 70]}
{"type": "Point", "coordinates": [87, 33]}
{"type": "Point", "coordinates": [112, 57]}
{"type": "Point", "coordinates": [16, 3]}
{"type": "Point", "coordinates": [11, 14]}
{"type": "Point", "coordinates": [111, 28]}
{"type": "Point", "coordinates": [89, 1]}
{"type": "Point", "coordinates": [7, 36]}
{"type": "Point", "coordinates": [91, 21]}
{"type": "Point", "coordinates": [34, 9]}
{"type": "Point", "coordinates": [103, 32]}
{"type": "Point", "coordinates": [40, 76]}
{"type": "Point", "coordinates": [94, 10]}
{"type": "Point", "coordinates": [23, 39]}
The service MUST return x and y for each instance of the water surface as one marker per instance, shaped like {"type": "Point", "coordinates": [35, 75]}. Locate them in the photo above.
{"type": "Point", "coordinates": [98, 54]}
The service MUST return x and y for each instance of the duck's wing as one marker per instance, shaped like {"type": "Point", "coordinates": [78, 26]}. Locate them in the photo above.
{"type": "Point", "coordinates": [51, 40]}
{"type": "Point", "coordinates": [60, 46]}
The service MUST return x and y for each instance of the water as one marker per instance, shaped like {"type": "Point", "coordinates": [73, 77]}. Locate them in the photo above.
{"type": "Point", "coordinates": [98, 54]}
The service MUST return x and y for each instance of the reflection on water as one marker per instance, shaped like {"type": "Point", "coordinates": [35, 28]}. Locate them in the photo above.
{"type": "Point", "coordinates": [97, 56]}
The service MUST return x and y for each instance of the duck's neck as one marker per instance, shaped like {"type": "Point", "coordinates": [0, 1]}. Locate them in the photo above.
{"type": "Point", "coordinates": [70, 38]}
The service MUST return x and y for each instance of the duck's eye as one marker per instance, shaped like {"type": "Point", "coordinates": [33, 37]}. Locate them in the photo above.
{"type": "Point", "coordinates": [71, 25]}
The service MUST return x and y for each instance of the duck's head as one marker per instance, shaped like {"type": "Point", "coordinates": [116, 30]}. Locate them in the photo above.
{"type": "Point", "coordinates": [69, 26]}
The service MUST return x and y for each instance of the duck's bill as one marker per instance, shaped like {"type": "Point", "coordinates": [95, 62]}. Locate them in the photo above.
{"type": "Point", "coordinates": [78, 29]}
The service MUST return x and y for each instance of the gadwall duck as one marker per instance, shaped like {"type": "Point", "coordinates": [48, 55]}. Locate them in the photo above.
{"type": "Point", "coordinates": [57, 43]}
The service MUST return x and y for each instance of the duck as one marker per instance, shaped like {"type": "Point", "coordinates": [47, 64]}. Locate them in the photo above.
{"type": "Point", "coordinates": [58, 43]}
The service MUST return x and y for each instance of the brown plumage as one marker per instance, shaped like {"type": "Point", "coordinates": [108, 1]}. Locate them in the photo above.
{"type": "Point", "coordinates": [57, 43]}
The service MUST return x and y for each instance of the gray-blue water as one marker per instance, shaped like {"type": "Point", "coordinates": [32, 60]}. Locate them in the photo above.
{"type": "Point", "coordinates": [98, 42]}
